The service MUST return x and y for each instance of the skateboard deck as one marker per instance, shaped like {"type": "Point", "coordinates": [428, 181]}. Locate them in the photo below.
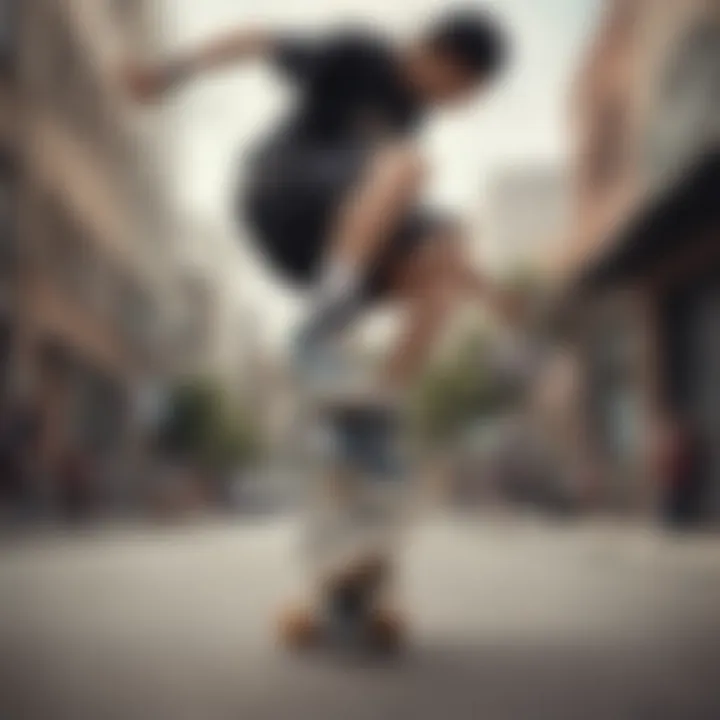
{"type": "Point", "coordinates": [353, 528]}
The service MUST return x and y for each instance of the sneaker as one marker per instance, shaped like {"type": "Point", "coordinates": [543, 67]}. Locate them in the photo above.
{"type": "Point", "coordinates": [319, 368]}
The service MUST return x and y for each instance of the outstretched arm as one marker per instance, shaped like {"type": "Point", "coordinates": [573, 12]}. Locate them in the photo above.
{"type": "Point", "coordinates": [147, 83]}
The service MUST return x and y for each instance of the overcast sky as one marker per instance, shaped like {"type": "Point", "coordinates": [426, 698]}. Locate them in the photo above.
{"type": "Point", "coordinates": [522, 122]}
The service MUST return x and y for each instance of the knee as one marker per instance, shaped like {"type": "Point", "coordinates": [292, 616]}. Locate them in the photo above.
{"type": "Point", "coordinates": [402, 167]}
{"type": "Point", "coordinates": [445, 254]}
{"type": "Point", "coordinates": [432, 270]}
{"type": "Point", "coordinates": [436, 264]}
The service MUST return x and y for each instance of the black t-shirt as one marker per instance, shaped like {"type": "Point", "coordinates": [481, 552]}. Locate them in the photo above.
{"type": "Point", "coordinates": [350, 89]}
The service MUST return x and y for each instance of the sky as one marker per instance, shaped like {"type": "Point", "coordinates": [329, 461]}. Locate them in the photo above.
{"type": "Point", "coordinates": [523, 122]}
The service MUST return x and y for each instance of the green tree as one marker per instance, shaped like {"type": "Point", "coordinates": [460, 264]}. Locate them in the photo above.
{"type": "Point", "coordinates": [202, 427]}
{"type": "Point", "coordinates": [462, 387]}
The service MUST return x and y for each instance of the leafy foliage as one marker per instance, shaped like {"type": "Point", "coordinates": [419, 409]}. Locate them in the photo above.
{"type": "Point", "coordinates": [204, 428]}
{"type": "Point", "coordinates": [461, 388]}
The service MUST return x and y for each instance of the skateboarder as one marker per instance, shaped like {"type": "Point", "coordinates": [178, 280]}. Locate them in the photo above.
{"type": "Point", "coordinates": [334, 192]}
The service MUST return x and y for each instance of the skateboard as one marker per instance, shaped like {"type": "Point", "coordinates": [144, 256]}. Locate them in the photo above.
{"type": "Point", "coordinates": [355, 521]}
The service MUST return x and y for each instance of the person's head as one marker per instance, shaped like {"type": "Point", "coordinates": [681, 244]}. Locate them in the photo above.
{"type": "Point", "coordinates": [460, 54]}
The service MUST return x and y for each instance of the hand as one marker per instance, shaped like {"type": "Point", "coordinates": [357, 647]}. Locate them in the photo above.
{"type": "Point", "coordinates": [147, 84]}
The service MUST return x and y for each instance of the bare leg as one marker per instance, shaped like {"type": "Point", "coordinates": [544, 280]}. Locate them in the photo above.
{"type": "Point", "coordinates": [371, 212]}
{"type": "Point", "coordinates": [429, 284]}
{"type": "Point", "coordinates": [365, 222]}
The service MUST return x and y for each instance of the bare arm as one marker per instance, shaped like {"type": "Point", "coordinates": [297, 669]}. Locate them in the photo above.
{"type": "Point", "coordinates": [150, 83]}
{"type": "Point", "coordinates": [227, 50]}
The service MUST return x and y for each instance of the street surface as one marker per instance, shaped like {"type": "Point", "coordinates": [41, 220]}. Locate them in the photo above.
{"type": "Point", "coordinates": [512, 620]}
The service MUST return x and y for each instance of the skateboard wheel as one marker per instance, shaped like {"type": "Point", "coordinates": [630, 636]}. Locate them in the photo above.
{"type": "Point", "coordinates": [298, 629]}
{"type": "Point", "coordinates": [365, 575]}
{"type": "Point", "coordinates": [386, 632]}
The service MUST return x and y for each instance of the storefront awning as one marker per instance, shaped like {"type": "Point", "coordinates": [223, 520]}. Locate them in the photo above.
{"type": "Point", "coordinates": [661, 228]}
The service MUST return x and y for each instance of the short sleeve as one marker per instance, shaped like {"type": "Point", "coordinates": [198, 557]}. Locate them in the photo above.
{"type": "Point", "coordinates": [339, 58]}
{"type": "Point", "coordinates": [297, 58]}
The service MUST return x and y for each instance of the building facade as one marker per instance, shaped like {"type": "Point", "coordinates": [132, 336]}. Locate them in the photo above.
{"type": "Point", "coordinates": [81, 240]}
{"type": "Point", "coordinates": [219, 331]}
{"type": "Point", "coordinates": [642, 263]}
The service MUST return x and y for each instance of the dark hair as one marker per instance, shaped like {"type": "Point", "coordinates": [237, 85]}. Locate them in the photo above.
{"type": "Point", "coordinates": [474, 37]}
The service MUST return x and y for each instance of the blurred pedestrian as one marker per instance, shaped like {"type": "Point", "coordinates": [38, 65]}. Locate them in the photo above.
{"type": "Point", "coordinates": [681, 471]}
{"type": "Point", "coordinates": [76, 479]}
{"type": "Point", "coordinates": [18, 448]}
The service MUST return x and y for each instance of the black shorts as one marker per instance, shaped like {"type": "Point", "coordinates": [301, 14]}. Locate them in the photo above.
{"type": "Point", "coordinates": [292, 200]}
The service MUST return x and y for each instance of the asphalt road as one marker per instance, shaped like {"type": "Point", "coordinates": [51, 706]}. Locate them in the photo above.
{"type": "Point", "coordinates": [512, 620]}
